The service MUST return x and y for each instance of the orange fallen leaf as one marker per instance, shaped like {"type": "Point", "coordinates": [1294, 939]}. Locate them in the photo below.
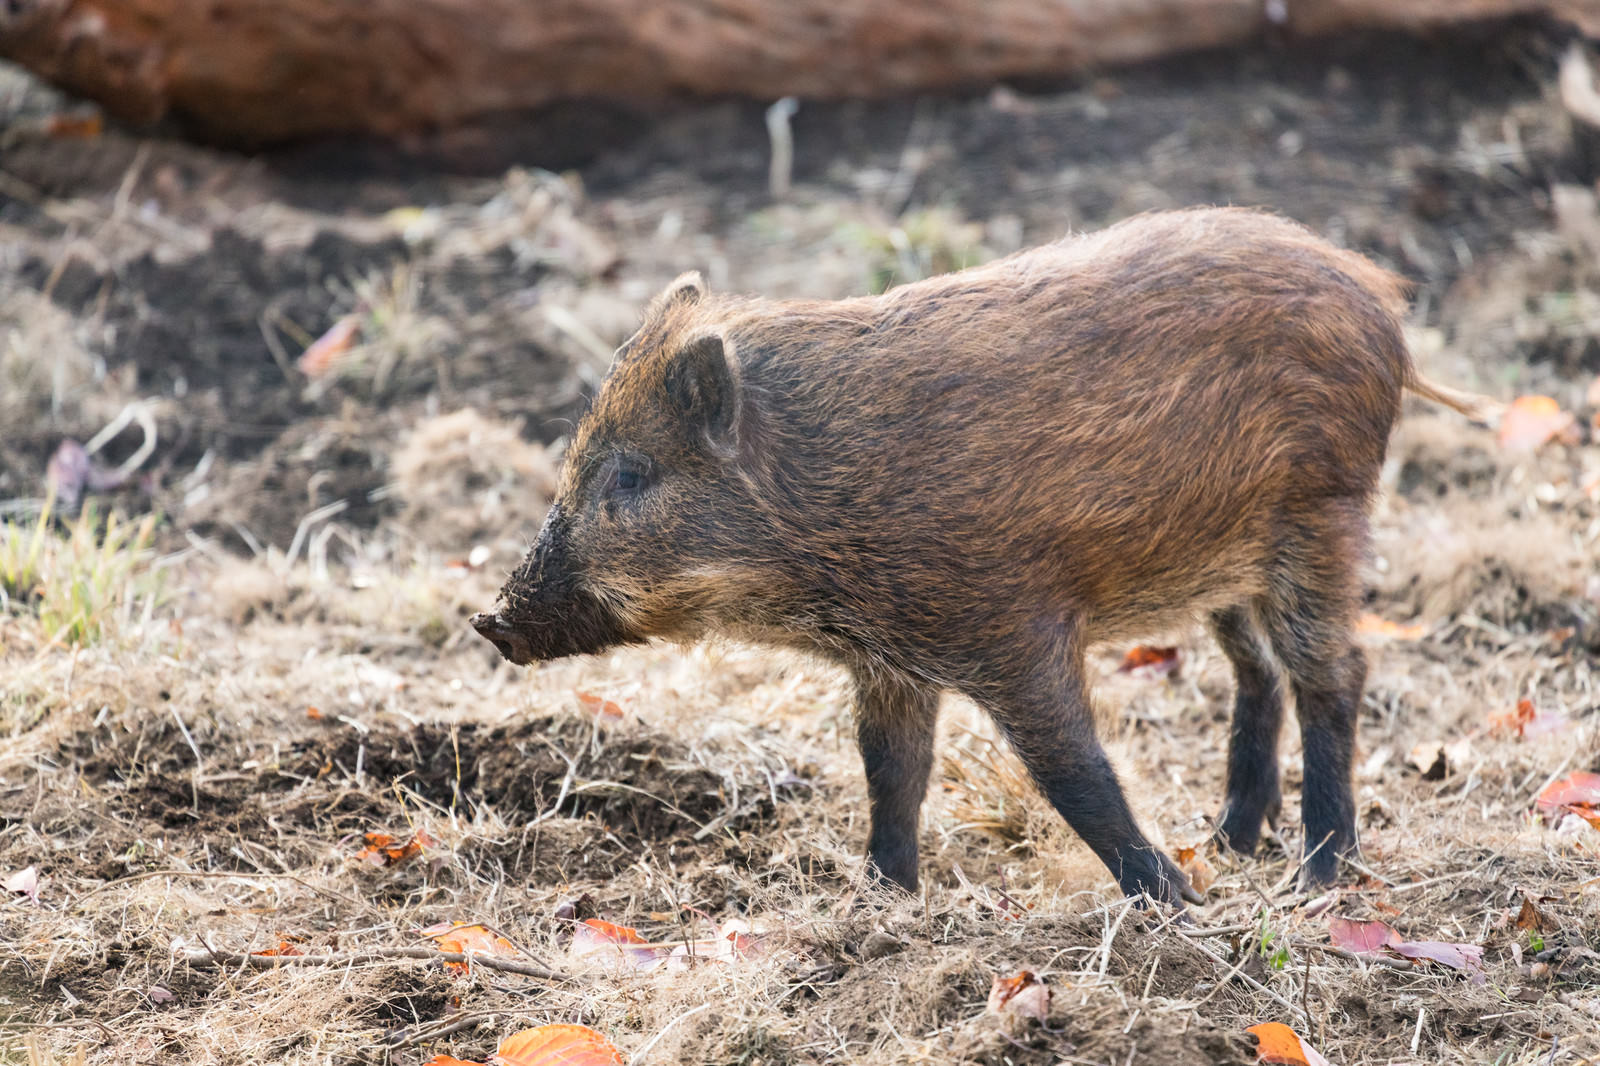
{"type": "Point", "coordinates": [1196, 869]}
{"type": "Point", "coordinates": [468, 939]}
{"type": "Point", "coordinates": [620, 943]}
{"type": "Point", "coordinates": [1022, 993]}
{"type": "Point", "coordinates": [1276, 1042]}
{"type": "Point", "coordinates": [1525, 720]}
{"type": "Point", "coordinates": [1373, 625]}
{"type": "Point", "coordinates": [449, 1060]}
{"type": "Point", "coordinates": [1145, 661]}
{"type": "Point", "coordinates": [557, 1045]}
{"type": "Point", "coordinates": [314, 713]}
{"type": "Point", "coordinates": [323, 352]}
{"type": "Point", "coordinates": [283, 948]}
{"type": "Point", "coordinates": [1533, 421]}
{"type": "Point", "coordinates": [599, 704]}
{"type": "Point", "coordinates": [1577, 794]}
{"type": "Point", "coordinates": [384, 850]}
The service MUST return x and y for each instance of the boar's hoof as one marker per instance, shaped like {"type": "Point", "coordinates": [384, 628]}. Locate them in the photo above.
{"type": "Point", "coordinates": [511, 644]}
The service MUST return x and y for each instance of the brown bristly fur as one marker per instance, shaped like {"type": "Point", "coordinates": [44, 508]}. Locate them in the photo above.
{"type": "Point", "coordinates": [963, 483]}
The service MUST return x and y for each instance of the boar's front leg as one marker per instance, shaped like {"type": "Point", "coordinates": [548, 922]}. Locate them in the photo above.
{"type": "Point", "coordinates": [1044, 712]}
{"type": "Point", "coordinates": [895, 719]}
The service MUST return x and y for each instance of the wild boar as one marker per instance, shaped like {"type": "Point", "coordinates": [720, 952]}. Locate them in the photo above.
{"type": "Point", "coordinates": [965, 482]}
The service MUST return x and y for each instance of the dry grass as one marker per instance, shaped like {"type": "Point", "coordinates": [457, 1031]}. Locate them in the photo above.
{"type": "Point", "coordinates": [180, 800]}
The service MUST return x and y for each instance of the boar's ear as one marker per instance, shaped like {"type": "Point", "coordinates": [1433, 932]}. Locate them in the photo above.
{"type": "Point", "coordinates": [686, 289]}
{"type": "Point", "coordinates": [702, 382]}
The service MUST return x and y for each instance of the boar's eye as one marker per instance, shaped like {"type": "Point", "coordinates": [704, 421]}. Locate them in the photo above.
{"type": "Point", "coordinates": [628, 477]}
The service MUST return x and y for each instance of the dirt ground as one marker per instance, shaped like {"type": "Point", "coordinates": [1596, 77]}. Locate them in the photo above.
{"type": "Point", "coordinates": [289, 668]}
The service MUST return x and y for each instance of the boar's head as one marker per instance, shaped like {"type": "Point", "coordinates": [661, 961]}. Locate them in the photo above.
{"type": "Point", "coordinates": [648, 512]}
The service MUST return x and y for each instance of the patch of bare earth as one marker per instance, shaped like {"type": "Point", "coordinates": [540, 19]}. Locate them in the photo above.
{"type": "Point", "coordinates": [198, 784]}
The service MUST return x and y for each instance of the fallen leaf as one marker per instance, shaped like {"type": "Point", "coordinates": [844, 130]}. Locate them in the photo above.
{"type": "Point", "coordinates": [1148, 662]}
{"type": "Point", "coordinates": [556, 1045]}
{"type": "Point", "coordinates": [1468, 957]}
{"type": "Point", "coordinates": [1372, 625]}
{"type": "Point", "coordinates": [323, 352]}
{"type": "Point", "coordinates": [599, 704]}
{"type": "Point", "coordinates": [1526, 721]}
{"type": "Point", "coordinates": [1022, 993]}
{"type": "Point", "coordinates": [1276, 1042]}
{"type": "Point", "coordinates": [283, 948]}
{"type": "Point", "coordinates": [1429, 759]}
{"type": "Point", "coordinates": [468, 939]}
{"type": "Point", "coordinates": [384, 850]}
{"type": "Point", "coordinates": [621, 944]}
{"type": "Point", "coordinates": [449, 1060]}
{"type": "Point", "coordinates": [159, 994]}
{"type": "Point", "coordinates": [1196, 868]}
{"type": "Point", "coordinates": [314, 714]}
{"type": "Point", "coordinates": [735, 942]}
{"type": "Point", "coordinates": [1577, 794]}
{"type": "Point", "coordinates": [1363, 938]}
{"type": "Point", "coordinates": [1529, 917]}
{"type": "Point", "coordinates": [24, 882]}
{"type": "Point", "coordinates": [1380, 938]}
{"type": "Point", "coordinates": [1533, 421]}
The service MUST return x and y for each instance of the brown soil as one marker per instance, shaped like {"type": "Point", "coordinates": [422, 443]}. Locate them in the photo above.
{"type": "Point", "coordinates": [174, 789]}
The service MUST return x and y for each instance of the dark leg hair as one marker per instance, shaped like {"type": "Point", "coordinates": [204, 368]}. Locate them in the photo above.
{"type": "Point", "coordinates": [1253, 794]}
{"type": "Point", "coordinates": [1308, 614]}
{"type": "Point", "coordinates": [895, 719]}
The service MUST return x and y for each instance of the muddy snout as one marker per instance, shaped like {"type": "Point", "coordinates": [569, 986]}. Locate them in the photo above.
{"type": "Point", "coordinates": [511, 644]}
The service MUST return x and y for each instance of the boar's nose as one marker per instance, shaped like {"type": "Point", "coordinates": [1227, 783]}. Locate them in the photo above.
{"type": "Point", "coordinates": [511, 644]}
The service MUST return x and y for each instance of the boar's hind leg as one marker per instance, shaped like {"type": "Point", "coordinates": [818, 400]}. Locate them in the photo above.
{"type": "Point", "coordinates": [1253, 794]}
{"type": "Point", "coordinates": [1309, 614]}
{"type": "Point", "coordinates": [895, 719]}
{"type": "Point", "coordinates": [1049, 725]}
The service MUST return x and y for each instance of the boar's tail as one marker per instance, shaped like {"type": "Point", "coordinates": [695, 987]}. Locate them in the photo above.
{"type": "Point", "coordinates": [1475, 406]}
{"type": "Point", "coordinates": [1393, 292]}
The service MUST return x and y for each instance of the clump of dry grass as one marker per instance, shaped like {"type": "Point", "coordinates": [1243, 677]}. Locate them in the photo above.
{"type": "Point", "coordinates": [463, 477]}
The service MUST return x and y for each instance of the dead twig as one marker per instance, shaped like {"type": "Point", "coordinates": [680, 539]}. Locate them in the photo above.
{"type": "Point", "coordinates": [212, 956]}
{"type": "Point", "coordinates": [145, 875]}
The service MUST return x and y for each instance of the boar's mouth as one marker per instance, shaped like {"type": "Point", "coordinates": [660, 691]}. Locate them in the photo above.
{"type": "Point", "coordinates": [573, 624]}
{"type": "Point", "coordinates": [545, 612]}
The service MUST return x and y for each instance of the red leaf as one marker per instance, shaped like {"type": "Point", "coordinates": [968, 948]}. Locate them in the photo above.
{"type": "Point", "coordinates": [1022, 993]}
{"type": "Point", "coordinates": [619, 942]}
{"type": "Point", "coordinates": [468, 939]}
{"type": "Point", "coordinates": [1276, 1042]}
{"type": "Point", "coordinates": [1578, 794]}
{"type": "Point", "coordinates": [319, 358]}
{"type": "Point", "coordinates": [1377, 938]}
{"type": "Point", "coordinates": [1468, 957]}
{"type": "Point", "coordinates": [447, 1060]}
{"type": "Point", "coordinates": [1148, 662]}
{"type": "Point", "coordinates": [1363, 938]}
{"type": "Point", "coordinates": [556, 1045]}
{"type": "Point", "coordinates": [599, 704]}
{"type": "Point", "coordinates": [1533, 421]}
{"type": "Point", "coordinates": [1372, 625]}
{"type": "Point", "coordinates": [383, 850]}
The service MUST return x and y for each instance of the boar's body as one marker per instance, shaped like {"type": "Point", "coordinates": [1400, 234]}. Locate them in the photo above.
{"type": "Point", "coordinates": [962, 483]}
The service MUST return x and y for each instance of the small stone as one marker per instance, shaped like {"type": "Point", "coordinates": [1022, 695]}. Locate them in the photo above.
{"type": "Point", "coordinates": [879, 944]}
